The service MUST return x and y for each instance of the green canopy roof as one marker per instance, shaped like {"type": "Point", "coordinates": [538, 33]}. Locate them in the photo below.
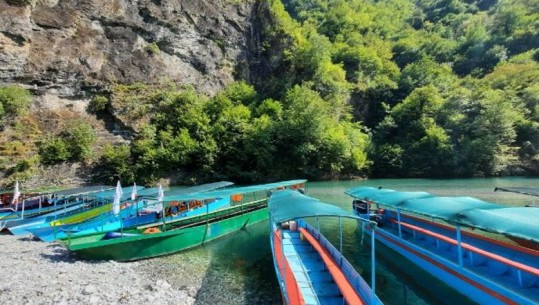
{"type": "Point", "coordinates": [287, 205]}
{"type": "Point", "coordinates": [522, 222]}
{"type": "Point", "coordinates": [234, 191]}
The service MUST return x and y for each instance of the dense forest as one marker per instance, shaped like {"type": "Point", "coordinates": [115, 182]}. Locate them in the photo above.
{"type": "Point", "coordinates": [384, 88]}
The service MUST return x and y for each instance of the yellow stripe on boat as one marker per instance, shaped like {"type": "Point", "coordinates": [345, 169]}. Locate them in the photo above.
{"type": "Point", "coordinates": [80, 217]}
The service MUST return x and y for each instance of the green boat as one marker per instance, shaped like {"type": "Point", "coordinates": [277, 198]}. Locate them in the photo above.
{"type": "Point", "coordinates": [163, 238]}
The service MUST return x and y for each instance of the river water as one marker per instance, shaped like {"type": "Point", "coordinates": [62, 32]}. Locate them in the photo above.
{"type": "Point", "coordinates": [238, 269]}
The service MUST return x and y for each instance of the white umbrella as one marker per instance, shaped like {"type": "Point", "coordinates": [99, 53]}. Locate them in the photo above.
{"type": "Point", "coordinates": [160, 197]}
{"type": "Point", "coordinates": [117, 197]}
{"type": "Point", "coordinates": [134, 192]}
{"type": "Point", "coordinates": [16, 194]}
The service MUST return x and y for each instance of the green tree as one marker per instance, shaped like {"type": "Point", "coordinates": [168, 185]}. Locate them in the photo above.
{"type": "Point", "coordinates": [79, 137]}
{"type": "Point", "coordinates": [53, 150]}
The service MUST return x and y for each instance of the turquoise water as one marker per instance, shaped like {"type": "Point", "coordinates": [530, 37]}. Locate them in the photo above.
{"type": "Point", "coordinates": [244, 258]}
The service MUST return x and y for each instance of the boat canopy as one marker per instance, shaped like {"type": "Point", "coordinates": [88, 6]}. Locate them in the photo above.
{"type": "Point", "coordinates": [83, 190]}
{"type": "Point", "coordinates": [287, 205]}
{"type": "Point", "coordinates": [236, 191]}
{"type": "Point", "coordinates": [387, 197]}
{"type": "Point", "coordinates": [110, 193]}
{"type": "Point", "coordinates": [366, 192]}
{"type": "Point", "coordinates": [522, 222]}
{"type": "Point", "coordinates": [154, 191]}
{"type": "Point", "coordinates": [532, 191]}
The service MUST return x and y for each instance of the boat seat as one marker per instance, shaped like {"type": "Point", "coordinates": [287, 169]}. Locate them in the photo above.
{"type": "Point", "coordinates": [344, 286]}
{"type": "Point", "coordinates": [500, 259]}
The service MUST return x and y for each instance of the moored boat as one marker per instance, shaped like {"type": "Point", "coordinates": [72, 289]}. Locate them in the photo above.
{"type": "Point", "coordinates": [49, 205]}
{"type": "Point", "coordinates": [130, 213]}
{"type": "Point", "coordinates": [309, 269]}
{"type": "Point", "coordinates": [248, 206]}
{"type": "Point", "coordinates": [428, 231]}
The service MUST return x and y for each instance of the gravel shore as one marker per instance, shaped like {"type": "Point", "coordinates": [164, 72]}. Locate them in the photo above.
{"type": "Point", "coordinates": [33, 272]}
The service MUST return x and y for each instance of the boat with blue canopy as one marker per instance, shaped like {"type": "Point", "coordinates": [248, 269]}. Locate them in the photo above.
{"type": "Point", "coordinates": [434, 233]}
{"type": "Point", "coordinates": [144, 210]}
{"type": "Point", "coordinates": [310, 270]}
{"type": "Point", "coordinates": [248, 205]}
{"type": "Point", "coordinates": [50, 205]}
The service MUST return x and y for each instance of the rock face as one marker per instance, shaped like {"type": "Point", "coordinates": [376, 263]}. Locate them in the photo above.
{"type": "Point", "coordinates": [66, 48]}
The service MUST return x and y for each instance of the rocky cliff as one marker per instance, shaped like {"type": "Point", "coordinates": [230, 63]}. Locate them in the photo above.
{"type": "Point", "coordinates": [66, 47]}
{"type": "Point", "coordinates": [66, 51]}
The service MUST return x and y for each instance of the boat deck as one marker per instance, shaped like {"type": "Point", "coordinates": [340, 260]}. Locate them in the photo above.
{"type": "Point", "coordinates": [314, 280]}
{"type": "Point", "coordinates": [486, 265]}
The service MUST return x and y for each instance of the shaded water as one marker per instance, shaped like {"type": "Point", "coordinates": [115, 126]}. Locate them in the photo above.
{"type": "Point", "coordinates": [238, 269]}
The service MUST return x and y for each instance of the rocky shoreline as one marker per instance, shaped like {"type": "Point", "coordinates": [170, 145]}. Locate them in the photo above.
{"type": "Point", "coordinates": [34, 272]}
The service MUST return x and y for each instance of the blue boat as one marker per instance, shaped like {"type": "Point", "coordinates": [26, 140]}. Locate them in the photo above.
{"type": "Point", "coordinates": [132, 213]}
{"type": "Point", "coordinates": [129, 217]}
{"type": "Point", "coordinates": [435, 233]}
{"type": "Point", "coordinates": [309, 269]}
{"type": "Point", "coordinates": [49, 204]}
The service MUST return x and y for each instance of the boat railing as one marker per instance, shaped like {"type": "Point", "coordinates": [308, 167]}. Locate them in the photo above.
{"type": "Point", "coordinates": [7, 210]}
{"type": "Point", "coordinates": [472, 249]}
{"type": "Point", "coordinates": [348, 270]}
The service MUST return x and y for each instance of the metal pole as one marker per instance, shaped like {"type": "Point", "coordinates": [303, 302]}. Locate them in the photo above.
{"type": "Point", "coordinates": [373, 267]}
{"type": "Point", "coordinates": [459, 245]}
{"type": "Point", "coordinates": [340, 235]}
{"type": "Point", "coordinates": [399, 222]}
{"type": "Point", "coordinates": [318, 224]}
{"type": "Point", "coordinates": [23, 204]}
{"type": "Point", "coordinates": [39, 199]}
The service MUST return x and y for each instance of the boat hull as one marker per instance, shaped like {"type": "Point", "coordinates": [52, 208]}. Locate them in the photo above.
{"type": "Point", "coordinates": [151, 245]}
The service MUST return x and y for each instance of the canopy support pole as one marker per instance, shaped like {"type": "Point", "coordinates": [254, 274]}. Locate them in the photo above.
{"type": "Point", "coordinates": [459, 245]}
{"type": "Point", "coordinates": [23, 204]}
{"type": "Point", "coordinates": [399, 222]}
{"type": "Point", "coordinates": [39, 199]}
{"type": "Point", "coordinates": [373, 267]}
{"type": "Point", "coordinates": [318, 224]}
{"type": "Point", "coordinates": [340, 235]}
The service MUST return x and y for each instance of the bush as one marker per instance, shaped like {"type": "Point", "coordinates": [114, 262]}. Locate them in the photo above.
{"type": "Point", "coordinates": [152, 48]}
{"type": "Point", "coordinates": [116, 163]}
{"type": "Point", "coordinates": [98, 103]}
{"type": "Point", "coordinates": [53, 150]}
{"type": "Point", "coordinates": [14, 100]}
{"type": "Point", "coordinates": [74, 144]}
{"type": "Point", "coordinates": [79, 137]}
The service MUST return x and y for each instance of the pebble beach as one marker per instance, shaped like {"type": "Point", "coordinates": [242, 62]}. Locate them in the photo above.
{"type": "Point", "coordinates": [34, 272]}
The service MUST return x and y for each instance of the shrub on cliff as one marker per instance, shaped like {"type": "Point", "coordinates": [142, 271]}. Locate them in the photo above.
{"type": "Point", "coordinates": [14, 100]}
{"type": "Point", "coordinates": [98, 103]}
{"type": "Point", "coordinates": [73, 144]}
{"type": "Point", "coordinates": [53, 150]}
